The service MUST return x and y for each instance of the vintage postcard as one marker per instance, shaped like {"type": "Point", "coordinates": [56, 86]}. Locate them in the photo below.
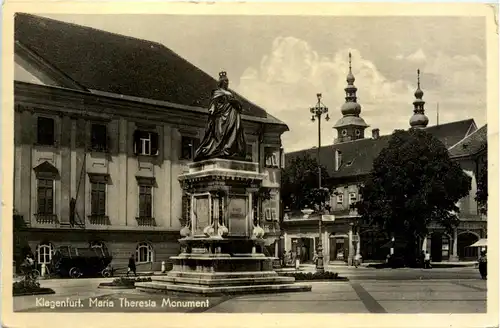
{"type": "Point", "coordinates": [336, 163]}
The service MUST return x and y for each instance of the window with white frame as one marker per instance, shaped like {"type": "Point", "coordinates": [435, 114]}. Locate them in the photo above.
{"type": "Point", "coordinates": [340, 199]}
{"type": "Point", "coordinates": [270, 207]}
{"type": "Point", "coordinates": [144, 253]}
{"type": "Point", "coordinates": [44, 253]}
{"type": "Point", "coordinates": [272, 156]}
{"type": "Point", "coordinates": [145, 143]}
{"type": "Point", "coordinates": [353, 197]}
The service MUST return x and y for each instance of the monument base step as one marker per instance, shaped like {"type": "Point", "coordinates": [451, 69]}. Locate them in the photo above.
{"type": "Point", "coordinates": [225, 281]}
{"type": "Point", "coordinates": [168, 288]}
{"type": "Point", "coordinates": [222, 275]}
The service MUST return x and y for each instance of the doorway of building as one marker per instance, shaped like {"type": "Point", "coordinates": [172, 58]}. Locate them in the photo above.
{"type": "Point", "coordinates": [337, 248]}
{"type": "Point", "coordinates": [307, 251]}
{"type": "Point", "coordinates": [304, 249]}
{"type": "Point", "coordinates": [464, 240]}
{"type": "Point", "coordinates": [437, 247]}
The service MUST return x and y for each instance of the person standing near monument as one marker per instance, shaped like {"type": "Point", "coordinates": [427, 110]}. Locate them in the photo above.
{"type": "Point", "coordinates": [224, 137]}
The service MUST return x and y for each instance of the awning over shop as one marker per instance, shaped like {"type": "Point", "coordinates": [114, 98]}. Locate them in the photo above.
{"type": "Point", "coordinates": [483, 242]}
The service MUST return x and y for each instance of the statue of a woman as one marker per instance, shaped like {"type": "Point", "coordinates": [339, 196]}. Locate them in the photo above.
{"type": "Point", "coordinates": [224, 136]}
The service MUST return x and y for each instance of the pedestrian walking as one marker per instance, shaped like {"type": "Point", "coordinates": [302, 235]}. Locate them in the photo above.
{"type": "Point", "coordinates": [483, 264]}
{"type": "Point", "coordinates": [357, 260]}
{"type": "Point", "coordinates": [131, 265]}
{"type": "Point", "coordinates": [297, 259]}
{"type": "Point", "coordinates": [427, 261]}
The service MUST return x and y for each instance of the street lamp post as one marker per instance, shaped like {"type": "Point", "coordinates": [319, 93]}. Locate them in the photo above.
{"type": "Point", "coordinates": [317, 111]}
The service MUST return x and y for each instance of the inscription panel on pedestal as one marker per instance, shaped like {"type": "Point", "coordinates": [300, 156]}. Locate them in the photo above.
{"type": "Point", "coordinates": [237, 215]}
{"type": "Point", "coordinates": [201, 214]}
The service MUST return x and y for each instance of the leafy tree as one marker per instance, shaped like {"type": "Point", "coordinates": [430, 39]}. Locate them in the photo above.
{"type": "Point", "coordinates": [299, 187]}
{"type": "Point", "coordinates": [413, 182]}
{"type": "Point", "coordinates": [482, 187]}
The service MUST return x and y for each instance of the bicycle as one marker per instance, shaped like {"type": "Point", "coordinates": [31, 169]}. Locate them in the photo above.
{"type": "Point", "coordinates": [33, 274]}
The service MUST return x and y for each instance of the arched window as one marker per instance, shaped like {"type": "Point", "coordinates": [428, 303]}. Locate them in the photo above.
{"type": "Point", "coordinates": [344, 132]}
{"type": "Point", "coordinates": [144, 253]}
{"type": "Point", "coordinates": [44, 253]}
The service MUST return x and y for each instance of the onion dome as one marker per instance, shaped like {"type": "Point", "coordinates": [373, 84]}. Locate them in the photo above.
{"type": "Point", "coordinates": [350, 107]}
{"type": "Point", "coordinates": [419, 120]}
{"type": "Point", "coordinates": [350, 126]}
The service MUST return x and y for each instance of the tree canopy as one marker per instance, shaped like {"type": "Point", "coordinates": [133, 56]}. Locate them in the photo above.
{"type": "Point", "coordinates": [413, 182]}
{"type": "Point", "coordinates": [300, 184]}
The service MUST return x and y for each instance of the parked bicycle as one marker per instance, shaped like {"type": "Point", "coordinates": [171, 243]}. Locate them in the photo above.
{"type": "Point", "coordinates": [31, 274]}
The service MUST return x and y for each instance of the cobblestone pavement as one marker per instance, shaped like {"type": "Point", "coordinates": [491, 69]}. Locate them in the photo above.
{"type": "Point", "coordinates": [429, 296]}
{"type": "Point", "coordinates": [355, 296]}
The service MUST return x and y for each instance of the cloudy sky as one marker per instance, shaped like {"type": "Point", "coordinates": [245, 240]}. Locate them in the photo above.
{"type": "Point", "coordinates": [281, 62]}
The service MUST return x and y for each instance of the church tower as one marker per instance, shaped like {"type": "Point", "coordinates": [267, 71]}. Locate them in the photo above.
{"type": "Point", "coordinates": [418, 120]}
{"type": "Point", "coordinates": [350, 127]}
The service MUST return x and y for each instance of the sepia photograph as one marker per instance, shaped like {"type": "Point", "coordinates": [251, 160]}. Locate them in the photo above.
{"type": "Point", "coordinates": [241, 163]}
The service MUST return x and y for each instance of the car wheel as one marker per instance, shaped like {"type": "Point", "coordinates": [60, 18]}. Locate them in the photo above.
{"type": "Point", "coordinates": [75, 272]}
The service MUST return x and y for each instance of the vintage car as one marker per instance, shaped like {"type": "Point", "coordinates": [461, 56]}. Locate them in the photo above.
{"type": "Point", "coordinates": [69, 261]}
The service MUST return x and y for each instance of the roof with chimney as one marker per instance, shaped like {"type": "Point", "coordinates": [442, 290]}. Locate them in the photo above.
{"type": "Point", "coordinates": [106, 62]}
{"type": "Point", "coordinates": [358, 155]}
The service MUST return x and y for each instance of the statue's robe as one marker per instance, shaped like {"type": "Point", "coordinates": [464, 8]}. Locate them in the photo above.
{"type": "Point", "coordinates": [224, 136]}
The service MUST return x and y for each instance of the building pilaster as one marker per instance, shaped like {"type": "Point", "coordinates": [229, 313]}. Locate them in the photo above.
{"type": "Point", "coordinates": [454, 255]}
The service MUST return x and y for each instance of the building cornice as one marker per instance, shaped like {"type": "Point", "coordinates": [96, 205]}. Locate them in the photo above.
{"type": "Point", "coordinates": [107, 105]}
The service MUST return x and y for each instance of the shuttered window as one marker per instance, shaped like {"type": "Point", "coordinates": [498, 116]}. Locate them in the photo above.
{"type": "Point", "coordinates": [98, 199]}
{"type": "Point", "coordinates": [145, 201]}
{"type": "Point", "coordinates": [45, 196]}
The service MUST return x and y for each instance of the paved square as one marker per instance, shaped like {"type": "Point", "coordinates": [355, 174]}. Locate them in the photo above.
{"type": "Point", "coordinates": [355, 296]}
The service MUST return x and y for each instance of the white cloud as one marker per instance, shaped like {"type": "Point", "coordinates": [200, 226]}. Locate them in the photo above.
{"type": "Point", "coordinates": [417, 56]}
{"type": "Point", "coordinates": [292, 73]}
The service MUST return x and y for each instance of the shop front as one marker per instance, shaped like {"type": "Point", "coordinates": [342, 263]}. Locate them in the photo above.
{"type": "Point", "coordinates": [339, 243]}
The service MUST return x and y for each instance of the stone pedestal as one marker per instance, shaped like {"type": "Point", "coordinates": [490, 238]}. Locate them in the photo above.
{"type": "Point", "coordinates": [222, 244]}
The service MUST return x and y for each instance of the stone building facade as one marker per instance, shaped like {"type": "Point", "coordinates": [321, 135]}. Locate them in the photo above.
{"type": "Point", "coordinates": [101, 135]}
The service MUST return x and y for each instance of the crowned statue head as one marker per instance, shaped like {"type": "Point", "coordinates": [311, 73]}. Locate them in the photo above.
{"type": "Point", "coordinates": [223, 80]}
